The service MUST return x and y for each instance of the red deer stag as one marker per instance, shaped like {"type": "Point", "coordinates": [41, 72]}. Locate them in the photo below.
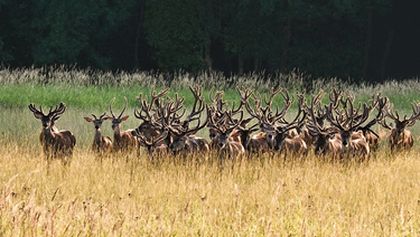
{"type": "Point", "coordinates": [401, 137]}
{"type": "Point", "coordinates": [123, 140]}
{"type": "Point", "coordinates": [348, 124]}
{"type": "Point", "coordinates": [380, 103]}
{"type": "Point", "coordinates": [256, 143]}
{"type": "Point", "coordinates": [101, 144]}
{"type": "Point", "coordinates": [266, 119]}
{"type": "Point", "coordinates": [154, 146]}
{"type": "Point", "coordinates": [150, 114]}
{"type": "Point", "coordinates": [182, 137]}
{"type": "Point", "coordinates": [223, 140]}
{"type": "Point", "coordinates": [326, 140]}
{"type": "Point", "coordinates": [320, 114]}
{"type": "Point", "coordinates": [55, 143]}
{"type": "Point", "coordinates": [278, 131]}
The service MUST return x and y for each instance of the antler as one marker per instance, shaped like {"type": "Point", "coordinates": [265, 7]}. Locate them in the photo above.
{"type": "Point", "coordinates": [198, 106]}
{"type": "Point", "coordinates": [298, 120]}
{"type": "Point", "coordinates": [416, 115]}
{"type": "Point", "coordinates": [57, 111]}
{"type": "Point", "coordinates": [407, 121]}
{"type": "Point", "coordinates": [280, 114]}
{"type": "Point", "coordinates": [314, 122]}
{"type": "Point", "coordinates": [34, 110]}
{"type": "Point", "coordinates": [380, 103]}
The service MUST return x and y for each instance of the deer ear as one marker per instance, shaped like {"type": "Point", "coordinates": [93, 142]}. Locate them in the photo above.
{"type": "Point", "coordinates": [88, 119]}
{"type": "Point", "coordinates": [106, 118]}
{"type": "Point", "coordinates": [124, 118]}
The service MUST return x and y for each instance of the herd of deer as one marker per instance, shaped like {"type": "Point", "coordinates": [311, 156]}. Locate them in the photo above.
{"type": "Point", "coordinates": [335, 129]}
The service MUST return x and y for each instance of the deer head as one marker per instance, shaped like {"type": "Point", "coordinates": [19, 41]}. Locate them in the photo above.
{"type": "Point", "coordinates": [117, 120]}
{"type": "Point", "coordinates": [402, 123]}
{"type": "Point", "coordinates": [348, 120]}
{"type": "Point", "coordinates": [223, 133]}
{"type": "Point", "coordinates": [321, 134]}
{"type": "Point", "coordinates": [151, 144]}
{"type": "Point", "coordinates": [97, 121]}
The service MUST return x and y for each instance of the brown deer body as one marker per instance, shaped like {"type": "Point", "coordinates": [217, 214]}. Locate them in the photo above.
{"type": "Point", "coordinates": [326, 140]}
{"type": "Point", "coordinates": [401, 138]}
{"type": "Point", "coordinates": [348, 124]}
{"type": "Point", "coordinates": [55, 143]}
{"type": "Point", "coordinates": [154, 146]}
{"type": "Point", "coordinates": [101, 144]}
{"type": "Point", "coordinates": [123, 140]}
{"type": "Point", "coordinates": [281, 135]}
{"type": "Point", "coordinates": [226, 145]}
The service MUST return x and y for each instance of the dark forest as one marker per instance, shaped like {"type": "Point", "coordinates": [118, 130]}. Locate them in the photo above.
{"type": "Point", "coordinates": [365, 40]}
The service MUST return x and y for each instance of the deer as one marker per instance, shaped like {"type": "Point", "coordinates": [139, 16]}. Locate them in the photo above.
{"type": "Point", "coordinates": [123, 140]}
{"type": "Point", "coordinates": [401, 138]}
{"type": "Point", "coordinates": [224, 143]}
{"type": "Point", "coordinates": [101, 144]}
{"type": "Point", "coordinates": [380, 103]}
{"type": "Point", "coordinates": [218, 113]}
{"type": "Point", "coordinates": [276, 128]}
{"type": "Point", "coordinates": [55, 143]}
{"type": "Point", "coordinates": [153, 145]}
{"type": "Point", "coordinates": [319, 115]}
{"type": "Point", "coordinates": [348, 125]}
{"type": "Point", "coordinates": [182, 138]}
{"type": "Point", "coordinates": [326, 140]}
{"type": "Point", "coordinates": [149, 113]}
{"type": "Point", "coordinates": [252, 143]}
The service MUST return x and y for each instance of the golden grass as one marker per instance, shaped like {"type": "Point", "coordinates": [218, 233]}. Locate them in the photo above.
{"type": "Point", "coordinates": [130, 196]}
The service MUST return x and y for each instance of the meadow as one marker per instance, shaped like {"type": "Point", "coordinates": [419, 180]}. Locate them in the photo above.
{"type": "Point", "coordinates": [129, 195]}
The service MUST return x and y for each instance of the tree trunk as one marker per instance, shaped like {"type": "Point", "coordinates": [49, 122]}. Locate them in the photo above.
{"type": "Point", "coordinates": [368, 42]}
{"type": "Point", "coordinates": [257, 63]}
{"type": "Point", "coordinates": [240, 64]}
{"type": "Point", "coordinates": [207, 55]}
{"type": "Point", "coordinates": [139, 32]}
{"type": "Point", "coordinates": [388, 46]}
{"type": "Point", "coordinates": [286, 45]}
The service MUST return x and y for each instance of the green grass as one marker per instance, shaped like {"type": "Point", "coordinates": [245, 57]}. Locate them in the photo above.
{"type": "Point", "coordinates": [93, 97]}
{"type": "Point", "coordinates": [86, 89]}
{"type": "Point", "coordinates": [99, 97]}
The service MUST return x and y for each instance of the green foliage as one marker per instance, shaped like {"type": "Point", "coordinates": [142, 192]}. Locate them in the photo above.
{"type": "Point", "coordinates": [322, 37]}
{"type": "Point", "coordinates": [70, 30]}
{"type": "Point", "coordinates": [175, 32]}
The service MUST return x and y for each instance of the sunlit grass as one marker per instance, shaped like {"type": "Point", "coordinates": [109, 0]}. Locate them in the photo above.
{"type": "Point", "coordinates": [128, 195]}
{"type": "Point", "coordinates": [131, 196]}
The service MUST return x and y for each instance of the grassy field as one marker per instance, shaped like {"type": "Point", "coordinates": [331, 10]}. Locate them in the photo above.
{"type": "Point", "coordinates": [95, 90]}
{"type": "Point", "coordinates": [126, 195]}
{"type": "Point", "coordinates": [131, 196]}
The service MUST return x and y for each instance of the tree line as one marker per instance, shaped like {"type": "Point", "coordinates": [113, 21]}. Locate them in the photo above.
{"type": "Point", "coordinates": [345, 38]}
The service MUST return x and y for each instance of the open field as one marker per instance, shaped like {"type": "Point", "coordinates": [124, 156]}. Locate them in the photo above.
{"type": "Point", "coordinates": [128, 195]}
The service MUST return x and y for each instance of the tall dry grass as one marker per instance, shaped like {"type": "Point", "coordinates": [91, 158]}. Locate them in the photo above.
{"type": "Point", "coordinates": [263, 196]}
{"type": "Point", "coordinates": [125, 195]}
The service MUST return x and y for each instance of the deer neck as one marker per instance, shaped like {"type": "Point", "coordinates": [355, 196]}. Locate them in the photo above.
{"type": "Point", "coordinates": [245, 137]}
{"type": "Point", "coordinates": [49, 134]}
{"type": "Point", "coordinates": [98, 136]}
{"type": "Point", "coordinates": [50, 131]}
{"type": "Point", "coordinates": [117, 132]}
